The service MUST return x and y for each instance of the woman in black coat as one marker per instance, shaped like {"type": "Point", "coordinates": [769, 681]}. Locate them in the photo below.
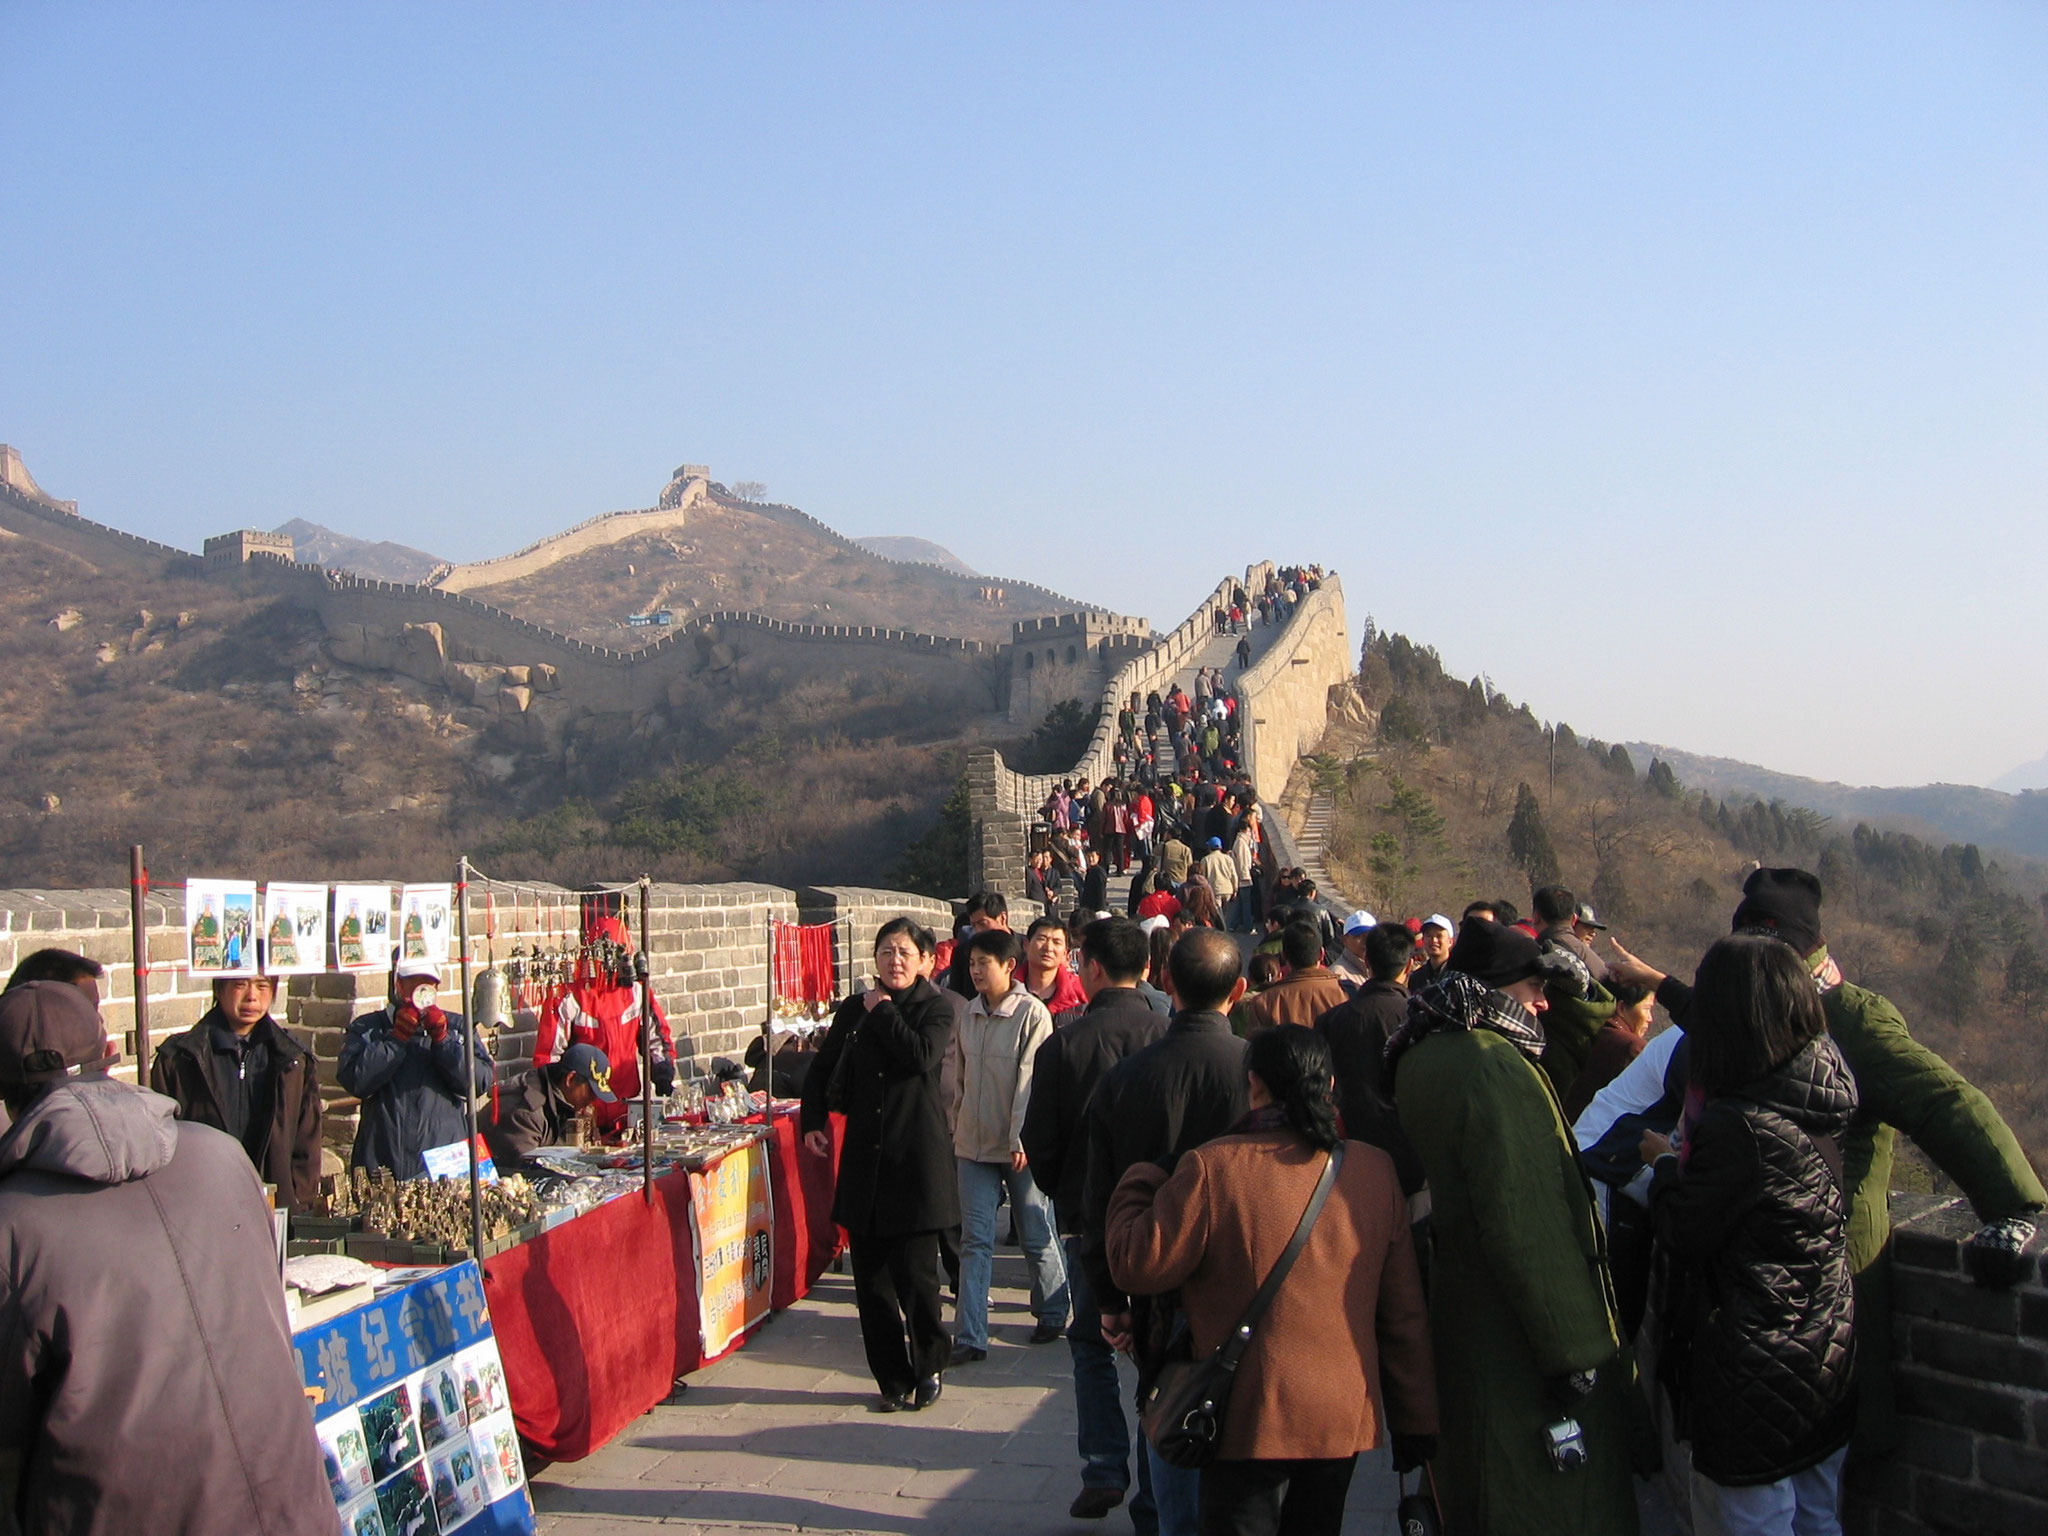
{"type": "Point", "coordinates": [1757, 1352]}
{"type": "Point", "coordinates": [898, 1188]}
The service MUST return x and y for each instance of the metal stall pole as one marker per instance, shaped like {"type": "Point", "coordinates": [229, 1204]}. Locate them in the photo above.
{"type": "Point", "coordinates": [476, 1182]}
{"type": "Point", "coordinates": [642, 974]}
{"type": "Point", "coordinates": [138, 928]}
{"type": "Point", "coordinates": [768, 1027]}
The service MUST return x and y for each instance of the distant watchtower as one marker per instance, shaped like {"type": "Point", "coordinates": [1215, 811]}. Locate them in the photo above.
{"type": "Point", "coordinates": [246, 544]}
{"type": "Point", "coordinates": [1072, 656]}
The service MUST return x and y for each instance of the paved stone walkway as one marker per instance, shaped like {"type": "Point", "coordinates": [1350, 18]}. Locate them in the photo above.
{"type": "Point", "coordinates": [778, 1437]}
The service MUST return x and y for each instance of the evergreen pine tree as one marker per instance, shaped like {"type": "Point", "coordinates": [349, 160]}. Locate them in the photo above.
{"type": "Point", "coordinates": [1529, 841]}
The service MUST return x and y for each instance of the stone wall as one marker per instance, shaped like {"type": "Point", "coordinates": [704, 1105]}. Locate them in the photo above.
{"type": "Point", "coordinates": [1284, 699]}
{"type": "Point", "coordinates": [1004, 802]}
{"type": "Point", "coordinates": [1971, 1372]}
{"type": "Point", "coordinates": [592, 533]}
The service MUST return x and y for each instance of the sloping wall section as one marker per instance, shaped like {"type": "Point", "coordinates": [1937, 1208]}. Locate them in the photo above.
{"type": "Point", "coordinates": [1285, 698]}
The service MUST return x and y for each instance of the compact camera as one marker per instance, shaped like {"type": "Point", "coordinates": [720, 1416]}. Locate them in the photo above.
{"type": "Point", "coordinates": [1565, 1442]}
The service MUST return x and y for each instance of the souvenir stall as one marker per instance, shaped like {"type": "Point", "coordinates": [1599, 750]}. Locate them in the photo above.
{"type": "Point", "coordinates": [561, 1301]}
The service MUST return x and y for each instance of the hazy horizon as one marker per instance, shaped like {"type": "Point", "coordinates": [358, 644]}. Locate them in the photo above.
{"type": "Point", "coordinates": [1682, 371]}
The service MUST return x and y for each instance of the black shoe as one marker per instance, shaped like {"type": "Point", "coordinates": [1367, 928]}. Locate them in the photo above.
{"type": "Point", "coordinates": [1094, 1503]}
{"type": "Point", "coordinates": [892, 1402]}
{"type": "Point", "coordinates": [966, 1354]}
{"type": "Point", "coordinates": [928, 1392]}
{"type": "Point", "coordinates": [1045, 1333]}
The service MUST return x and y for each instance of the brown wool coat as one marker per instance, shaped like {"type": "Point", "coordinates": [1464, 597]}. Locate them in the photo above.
{"type": "Point", "coordinates": [1346, 1340]}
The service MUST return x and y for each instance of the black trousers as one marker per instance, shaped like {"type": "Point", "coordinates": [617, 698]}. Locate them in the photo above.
{"type": "Point", "coordinates": [1275, 1498]}
{"type": "Point", "coordinates": [902, 1325]}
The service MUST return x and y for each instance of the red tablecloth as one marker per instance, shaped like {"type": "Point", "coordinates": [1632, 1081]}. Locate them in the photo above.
{"type": "Point", "coordinates": [596, 1319]}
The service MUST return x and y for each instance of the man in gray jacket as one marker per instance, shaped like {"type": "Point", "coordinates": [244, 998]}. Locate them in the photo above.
{"type": "Point", "coordinates": [138, 1284]}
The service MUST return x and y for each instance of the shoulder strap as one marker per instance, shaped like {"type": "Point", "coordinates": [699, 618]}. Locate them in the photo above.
{"type": "Point", "coordinates": [1241, 1336]}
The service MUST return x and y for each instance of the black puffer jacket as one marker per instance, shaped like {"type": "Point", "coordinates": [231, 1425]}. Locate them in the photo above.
{"type": "Point", "coordinates": [1758, 1348]}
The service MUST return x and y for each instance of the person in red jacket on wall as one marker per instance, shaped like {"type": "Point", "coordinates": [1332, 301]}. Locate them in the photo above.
{"type": "Point", "coordinates": [602, 1008]}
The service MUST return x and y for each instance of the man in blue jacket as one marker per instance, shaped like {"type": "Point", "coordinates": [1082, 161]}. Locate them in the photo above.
{"type": "Point", "coordinates": [405, 1062]}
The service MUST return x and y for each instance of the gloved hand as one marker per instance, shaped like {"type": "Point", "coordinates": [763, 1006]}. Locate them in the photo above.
{"type": "Point", "coordinates": [664, 1075]}
{"type": "Point", "coordinates": [405, 1023]}
{"type": "Point", "coordinates": [1411, 1451]}
{"type": "Point", "coordinates": [436, 1023]}
{"type": "Point", "coordinates": [1997, 1255]}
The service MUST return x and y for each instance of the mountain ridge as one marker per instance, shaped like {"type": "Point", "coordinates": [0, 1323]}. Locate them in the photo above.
{"type": "Point", "coordinates": [1967, 813]}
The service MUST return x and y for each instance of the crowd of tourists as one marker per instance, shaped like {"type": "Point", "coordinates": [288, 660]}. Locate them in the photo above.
{"type": "Point", "coordinates": [1422, 1182]}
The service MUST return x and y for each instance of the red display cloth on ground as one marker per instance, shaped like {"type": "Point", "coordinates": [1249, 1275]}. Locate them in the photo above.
{"type": "Point", "coordinates": [805, 1238]}
{"type": "Point", "coordinates": [597, 1318]}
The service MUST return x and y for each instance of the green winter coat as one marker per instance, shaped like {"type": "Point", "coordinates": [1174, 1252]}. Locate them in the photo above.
{"type": "Point", "coordinates": [1901, 1085]}
{"type": "Point", "coordinates": [1570, 1025]}
{"type": "Point", "coordinates": [1519, 1294]}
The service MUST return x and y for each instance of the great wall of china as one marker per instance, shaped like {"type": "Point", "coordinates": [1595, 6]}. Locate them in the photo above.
{"type": "Point", "coordinates": [1971, 1365]}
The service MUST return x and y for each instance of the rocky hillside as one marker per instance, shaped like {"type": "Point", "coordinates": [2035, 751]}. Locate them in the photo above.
{"type": "Point", "coordinates": [732, 554]}
{"type": "Point", "coordinates": [1447, 792]}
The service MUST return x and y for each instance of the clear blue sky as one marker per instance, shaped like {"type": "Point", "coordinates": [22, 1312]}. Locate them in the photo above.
{"type": "Point", "coordinates": [1681, 367]}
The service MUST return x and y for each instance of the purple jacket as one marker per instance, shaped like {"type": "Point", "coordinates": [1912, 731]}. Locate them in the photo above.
{"type": "Point", "coordinates": [146, 1378]}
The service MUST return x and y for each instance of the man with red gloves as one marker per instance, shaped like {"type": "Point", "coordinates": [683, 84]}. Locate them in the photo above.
{"type": "Point", "coordinates": [405, 1062]}
{"type": "Point", "coordinates": [602, 1008]}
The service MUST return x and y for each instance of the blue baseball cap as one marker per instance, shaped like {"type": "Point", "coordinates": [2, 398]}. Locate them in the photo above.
{"type": "Point", "coordinates": [1215, 842]}
{"type": "Point", "coordinates": [594, 1067]}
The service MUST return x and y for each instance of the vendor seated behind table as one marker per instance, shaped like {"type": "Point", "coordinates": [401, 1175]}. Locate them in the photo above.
{"type": "Point", "coordinates": [535, 1110]}
{"type": "Point", "coordinates": [405, 1063]}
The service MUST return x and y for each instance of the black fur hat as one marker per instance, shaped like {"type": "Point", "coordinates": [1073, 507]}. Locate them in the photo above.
{"type": "Point", "coordinates": [1785, 902]}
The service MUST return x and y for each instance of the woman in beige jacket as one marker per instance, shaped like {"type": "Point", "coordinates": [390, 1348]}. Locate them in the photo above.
{"type": "Point", "coordinates": [1347, 1331]}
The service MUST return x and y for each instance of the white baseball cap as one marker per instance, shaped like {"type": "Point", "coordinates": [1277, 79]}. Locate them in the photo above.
{"type": "Point", "coordinates": [1438, 920]}
{"type": "Point", "coordinates": [408, 970]}
{"type": "Point", "coordinates": [1360, 921]}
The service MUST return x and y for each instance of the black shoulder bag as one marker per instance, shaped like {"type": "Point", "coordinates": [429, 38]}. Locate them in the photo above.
{"type": "Point", "coordinates": [1182, 1413]}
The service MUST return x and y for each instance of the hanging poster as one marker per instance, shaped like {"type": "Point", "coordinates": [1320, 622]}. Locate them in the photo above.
{"type": "Point", "coordinates": [732, 1226]}
{"type": "Point", "coordinates": [414, 1423]}
{"type": "Point", "coordinates": [424, 922]}
{"type": "Point", "coordinates": [220, 927]}
{"type": "Point", "coordinates": [362, 927]}
{"type": "Point", "coordinates": [294, 929]}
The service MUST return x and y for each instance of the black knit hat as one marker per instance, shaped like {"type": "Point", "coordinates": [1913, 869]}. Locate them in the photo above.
{"type": "Point", "coordinates": [1785, 902]}
{"type": "Point", "coordinates": [1493, 954]}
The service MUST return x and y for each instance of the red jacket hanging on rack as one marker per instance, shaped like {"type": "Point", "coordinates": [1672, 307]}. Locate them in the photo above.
{"type": "Point", "coordinates": [598, 1010]}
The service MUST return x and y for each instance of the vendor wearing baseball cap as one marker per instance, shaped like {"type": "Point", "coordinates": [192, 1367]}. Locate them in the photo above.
{"type": "Point", "coordinates": [406, 1062]}
{"type": "Point", "coordinates": [535, 1111]}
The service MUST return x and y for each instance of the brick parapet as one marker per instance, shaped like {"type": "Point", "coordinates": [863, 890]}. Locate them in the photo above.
{"type": "Point", "coordinates": [1970, 1369]}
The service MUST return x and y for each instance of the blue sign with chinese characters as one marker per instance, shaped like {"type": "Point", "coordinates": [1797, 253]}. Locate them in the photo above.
{"type": "Point", "coordinates": [414, 1422]}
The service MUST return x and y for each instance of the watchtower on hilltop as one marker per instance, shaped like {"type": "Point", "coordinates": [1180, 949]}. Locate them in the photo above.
{"type": "Point", "coordinates": [246, 544]}
{"type": "Point", "coordinates": [1071, 656]}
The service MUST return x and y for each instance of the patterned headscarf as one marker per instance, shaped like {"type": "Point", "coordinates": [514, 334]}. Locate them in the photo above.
{"type": "Point", "coordinates": [1457, 1001]}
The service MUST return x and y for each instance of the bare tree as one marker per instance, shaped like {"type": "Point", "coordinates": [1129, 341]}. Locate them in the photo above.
{"type": "Point", "coordinates": [750, 490]}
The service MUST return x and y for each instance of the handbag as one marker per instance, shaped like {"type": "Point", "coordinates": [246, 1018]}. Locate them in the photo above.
{"type": "Point", "coordinates": [1182, 1411]}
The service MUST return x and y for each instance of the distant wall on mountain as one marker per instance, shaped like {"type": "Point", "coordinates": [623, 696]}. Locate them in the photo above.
{"type": "Point", "coordinates": [592, 533]}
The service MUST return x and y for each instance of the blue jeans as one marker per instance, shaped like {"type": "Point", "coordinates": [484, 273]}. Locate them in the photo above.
{"type": "Point", "coordinates": [1805, 1504]}
{"type": "Point", "coordinates": [1177, 1494]}
{"type": "Point", "coordinates": [1105, 1440]}
{"type": "Point", "coordinates": [981, 1187]}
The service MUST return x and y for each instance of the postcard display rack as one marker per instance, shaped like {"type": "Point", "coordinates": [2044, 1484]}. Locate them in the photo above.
{"type": "Point", "coordinates": [410, 1404]}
